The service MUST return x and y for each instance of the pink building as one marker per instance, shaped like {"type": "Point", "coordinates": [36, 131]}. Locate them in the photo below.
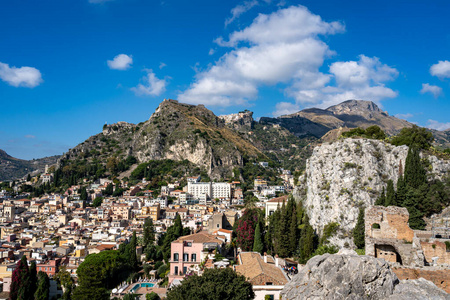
{"type": "Point", "coordinates": [188, 251]}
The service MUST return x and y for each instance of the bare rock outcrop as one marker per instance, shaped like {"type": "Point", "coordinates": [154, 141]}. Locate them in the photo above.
{"type": "Point", "coordinates": [349, 276]}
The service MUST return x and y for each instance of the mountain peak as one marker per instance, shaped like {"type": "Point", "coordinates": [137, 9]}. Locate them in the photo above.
{"type": "Point", "coordinates": [354, 106]}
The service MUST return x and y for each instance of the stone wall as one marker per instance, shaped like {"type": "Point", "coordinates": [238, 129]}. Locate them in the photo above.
{"type": "Point", "coordinates": [435, 248]}
{"type": "Point", "coordinates": [392, 240]}
{"type": "Point", "coordinates": [441, 278]}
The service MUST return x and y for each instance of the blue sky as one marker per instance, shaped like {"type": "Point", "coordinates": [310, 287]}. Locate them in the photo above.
{"type": "Point", "coordinates": [67, 67]}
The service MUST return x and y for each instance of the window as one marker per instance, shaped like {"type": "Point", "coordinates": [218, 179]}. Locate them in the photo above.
{"type": "Point", "coordinates": [270, 297]}
{"type": "Point", "coordinates": [193, 257]}
{"type": "Point", "coordinates": [186, 257]}
{"type": "Point", "coordinates": [176, 270]}
{"type": "Point", "coordinates": [184, 270]}
{"type": "Point", "coordinates": [175, 257]}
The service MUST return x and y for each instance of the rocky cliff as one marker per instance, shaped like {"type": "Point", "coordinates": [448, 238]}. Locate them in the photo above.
{"type": "Point", "coordinates": [349, 173]}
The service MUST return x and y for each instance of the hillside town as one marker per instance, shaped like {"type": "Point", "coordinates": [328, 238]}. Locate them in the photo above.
{"type": "Point", "coordinates": [58, 231]}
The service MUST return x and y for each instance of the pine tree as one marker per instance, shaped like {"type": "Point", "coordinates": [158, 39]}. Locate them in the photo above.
{"type": "Point", "coordinates": [359, 230]}
{"type": "Point", "coordinates": [382, 199]}
{"type": "Point", "coordinates": [390, 194]}
{"type": "Point", "coordinates": [258, 245]}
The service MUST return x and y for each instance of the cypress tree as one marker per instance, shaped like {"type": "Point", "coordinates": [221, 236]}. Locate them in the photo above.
{"type": "Point", "coordinates": [149, 235]}
{"type": "Point", "coordinates": [415, 174]}
{"type": "Point", "coordinates": [306, 242]}
{"type": "Point", "coordinates": [415, 215]}
{"type": "Point", "coordinates": [258, 245]}
{"type": "Point", "coordinates": [283, 233]}
{"type": "Point", "coordinates": [33, 278]}
{"type": "Point", "coordinates": [293, 232]}
{"type": "Point", "coordinates": [390, 194]}
{"type": "Point", "coordinates": [359, 230]}
{"type": "Point", "coordinates": [42, 292]}
{"type": "Point", "coordinates": [131, 251]}
{"type": "Point", "coordinates": [401, 191]}
{"type": "Point", "coordinates": [382, 199]}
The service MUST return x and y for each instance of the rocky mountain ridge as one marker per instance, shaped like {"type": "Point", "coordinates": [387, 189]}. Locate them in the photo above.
{"type": "Point", "coordinates": [349, 173]}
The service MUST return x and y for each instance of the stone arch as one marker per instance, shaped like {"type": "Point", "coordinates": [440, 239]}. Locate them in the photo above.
{"type": "Point", "coordinates": [388, 252]}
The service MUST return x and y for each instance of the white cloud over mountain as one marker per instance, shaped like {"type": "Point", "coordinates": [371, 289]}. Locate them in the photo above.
{"type": "Point", "coordinates": [286, 47]}
{"type": "Point", "coordinates": [20, 77]}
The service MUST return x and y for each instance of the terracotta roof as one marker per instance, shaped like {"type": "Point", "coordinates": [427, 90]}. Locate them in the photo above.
{"type": "Point", "coordinates": [279, 199]}
{"type": "Point", "coordinates": [257, 271]}
{"type": "Point", "coordinates": [201, 237]}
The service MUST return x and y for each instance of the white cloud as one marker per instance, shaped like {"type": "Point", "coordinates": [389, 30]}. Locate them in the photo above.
{"type": "Point", "coordinates": [151, 86]}
{"type": "Point", "coordinates": [433, 89]}
{"type": "Point", "coordinates": [162, 65]}
{"type": "Point", "coordinates": [441, 69]}
{"type": "Point", "coordinates": [433, 124]}
{"type": "Point", "coordinates": [30, 136]}
{"type": "Point", "coordinates": [239, 10]}
{"type": "Point", "coordinates": [283, 46]}
{"type": "Point", "coordinates": [20, 77]}
{"type": "Point", "coordinates": [120, 62]}
{"type": "Point", "coordinates": [285, 49]}
{"type": "Point", "coordinates": [404, 116]}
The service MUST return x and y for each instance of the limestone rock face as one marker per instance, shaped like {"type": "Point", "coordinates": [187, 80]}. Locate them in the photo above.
{"type": "Point", "coordinates": [418, 289]}
{"type": "Point", "coordinates": [350, 276]}
{"type": "Point", "coordinates": [348, 173]}
{"type": "Point", "coordinates": [342, 277]}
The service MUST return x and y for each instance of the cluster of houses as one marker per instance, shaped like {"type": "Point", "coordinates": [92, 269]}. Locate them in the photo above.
{"type": "Point", "coordinates": [60, 230]}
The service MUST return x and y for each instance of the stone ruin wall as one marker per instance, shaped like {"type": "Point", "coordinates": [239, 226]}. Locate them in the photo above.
{"type": "Point", "coordinates": [441, 278]}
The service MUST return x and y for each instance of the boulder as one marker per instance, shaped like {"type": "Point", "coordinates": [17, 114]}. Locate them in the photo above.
{"type": "Point", "coordinates": [418, 289]}
{"type": "Point", "coordinates": [349, 276]}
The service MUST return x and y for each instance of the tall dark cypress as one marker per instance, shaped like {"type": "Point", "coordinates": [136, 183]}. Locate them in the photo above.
{"type": "Point", "coordinates": [390, 194]}
{"type": "Point", "coordinates": [415, 174]}
{"type": "Point", "coordinates": [382, 199]}
{"type": "Point", "coordinates": [359, 230]}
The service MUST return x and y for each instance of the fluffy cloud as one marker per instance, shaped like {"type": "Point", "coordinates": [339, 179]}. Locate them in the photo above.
{"type": "Point", "coordinates": [20, 77]}
{"type": "Point", "coordinates": [433, 89]}
{"type": "Point", "coordinates": [151, 86]}
{"type": "Point", "coordinates": [285, 49]}
{"type": "Point", "coordinates": [441, 69]}
{"type": "Point", "coordinates": [120, 62]}
{"type": "Point", "coordinates": [433, 124]}
{"type": "Point", "coordinates": [239, 10]}
{"type": "Point", "coordinates": [276, 48]}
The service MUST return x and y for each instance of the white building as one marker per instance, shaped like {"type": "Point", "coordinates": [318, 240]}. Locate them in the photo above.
{"type": "Point", "coordinates": [221, 190]}
{"type": "Point", "coordinates": [198, 189]}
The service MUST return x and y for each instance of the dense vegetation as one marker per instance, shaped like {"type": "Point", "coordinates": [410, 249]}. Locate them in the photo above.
{"type": "Point", "coordinates": [26, 284]}
{"type": "Point", "coordinates": [214, 284]}
{"type": "Point", "coordinates": [422, 197]}
{"type": "Point", "coordinates": [372, 132]}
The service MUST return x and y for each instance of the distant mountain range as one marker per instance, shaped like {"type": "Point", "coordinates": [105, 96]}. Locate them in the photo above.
{"type": "Point", "coordinates": [217, 144]}
{"type": "Point", "coordinates": [14, 168]}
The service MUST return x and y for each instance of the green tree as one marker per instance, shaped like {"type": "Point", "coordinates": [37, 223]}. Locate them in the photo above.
{"type": "Point", "coordinates": [152, 296]}
{"type": "Point", "coordinates": [382, 199]}
{"type": "Point", "coordinates": [214, 284]}
{"type": "Point", "coordinates": [131, 252]}
{"type": "Point", "coordinates": [258, 245]}
{"type": "Point", "coordinates": [390, 194]}
{"type": "Point", "coordinates": [20, 281]}
{"type": "Point", "coordinates": [97, 201]}
{"type": "Point", "coordinates": [33, 278]}
{"type": "Point", "coordinates": [83, 193]}
{"type": "Point", "coordinates": [306, 242]}
{"type": "Point", "coordinates": [43, 286]}
{"type": "Point", "coordinates": [415, 174]}
{"type": "Point", "coordinates": [415, 137]}
{"type": "Point", "coordinates": [359, 230]}
{"type": "Point", "coordinates": [109, 190]}
{"type": "Point", "coordinates": [149, 232]}
{"type": "Point", "coordinates": [412, 200]}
